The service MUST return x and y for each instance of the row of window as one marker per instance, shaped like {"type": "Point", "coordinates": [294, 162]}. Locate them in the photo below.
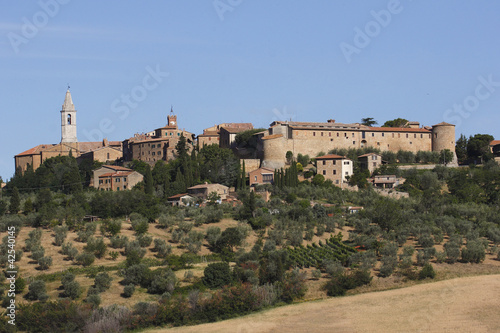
{"type": "Point", "coordinates": [108, 181]}
{"type": "Point", "coordinates": [363, 134]}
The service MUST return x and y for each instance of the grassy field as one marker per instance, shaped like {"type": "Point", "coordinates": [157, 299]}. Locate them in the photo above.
{"type": "Point", "coordinates": [466, 304]}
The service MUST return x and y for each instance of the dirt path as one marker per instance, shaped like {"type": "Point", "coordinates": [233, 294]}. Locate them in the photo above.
{"type": "Point", "coordinates": [469, 304]}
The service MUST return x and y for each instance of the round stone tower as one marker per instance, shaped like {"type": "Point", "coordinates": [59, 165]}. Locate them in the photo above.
{"type": "Point", "coordinates": [443, 137]}
{"type": "Point", "coordinates": [274, 151]}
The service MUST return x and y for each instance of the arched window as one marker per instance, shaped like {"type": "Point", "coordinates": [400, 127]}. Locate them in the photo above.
{"type": "Point", "coordinates": [69, 119]}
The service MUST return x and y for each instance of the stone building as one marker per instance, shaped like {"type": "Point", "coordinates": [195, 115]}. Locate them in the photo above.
{"type": "Point", "coordinates": [387, 181]}
{"type": "Point", "coordinates": [115, 178]}
{"type": "Point", "coordinates": [105, 150]}
{"type": "Point", "coordinates": [203, 190]}
{"type": "Point", "coordinates": [212, 134]}
{"type": "Point", "coordinates": [261, 176]}
{"type": "Point", "coordinates": [312, 138]}
{"type": "Point", "coordinates": [334, 167]}
{"type": "Point", "coordinates": [158, 144]}
{"type": "Point", "coordinates": [370, 161]}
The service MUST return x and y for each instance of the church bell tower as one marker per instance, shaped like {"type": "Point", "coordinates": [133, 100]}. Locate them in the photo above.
{"type": "Point", "coordinates": [68, 120]}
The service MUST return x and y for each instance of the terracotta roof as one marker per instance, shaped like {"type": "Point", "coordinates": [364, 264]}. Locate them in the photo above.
{"type": "Point", "coordinates": [495, 142]}
{"type": "Point", "coordinates": [397, 129]}
{"type": "Point", "coordinates": [116, 174]}
{"type": "Point", "coordinates": [36, 150]}
{"type": "Point", "coordinates": [443, 124]}
{"type": "Point", "coordinates": [204, 186]}
{"type": "Point", "coordinates": [369, 154]}
{"type": "Point", "coordinates": [266, 169]}
{"type": "Point", "coordinates": [331, 157]}
{"type": "Point", "coordinates": [235, 129]}
{"type": "Point", "coordinates": [117, 167]}
{"type": "Point", "coordinates": [274, 136]}
{"type": "Point", "coordinates": [177, 196]}
{"type": "Point", "coordinates": [209, 133]}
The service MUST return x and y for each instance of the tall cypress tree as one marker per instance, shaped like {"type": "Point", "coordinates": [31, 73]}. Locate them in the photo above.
{"type": "Point", "coordinates": [15, 201]}
{"type": "Point", "coordinates": [243, 176]}
{"type": "Point", "coordinates": [148, 181]}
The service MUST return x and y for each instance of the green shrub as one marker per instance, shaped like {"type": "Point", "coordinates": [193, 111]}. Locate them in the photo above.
{"type": "Point", "coordinates": [427, 272]}
{"type": "Point", "coordinates": [37, 291]}
{"type": "Point", "coordinates": [110, 228]}
{"type": "Point", "coordinates": [85, 259]}
{"type": "Point", "coordinates": [144, 240]}
{"type": "Point", "coordinates": [118, 242]}
{"type": "Point", "coordinates": [217, 275]}
{"type": "Point", "coordinates": [474, 252]}
{"type": "Point", "coordinates": [128, 290]}
{"type": "Point", "coordinates": [102, 281]}
{"type": "Point", "coordinates": [72, 290]}
{"type": "Point", "coordinates": [60, 233]}
{"type": "Point", "coordinates": [94, 300]}
{"type": "Point", "coordinates": [45, 262]}
{"type": "Point", "coordinates": [96, 246]}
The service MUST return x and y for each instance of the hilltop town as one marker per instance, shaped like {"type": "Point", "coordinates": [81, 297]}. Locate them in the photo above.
{"type": "Point", "coordinates": [266, 152]}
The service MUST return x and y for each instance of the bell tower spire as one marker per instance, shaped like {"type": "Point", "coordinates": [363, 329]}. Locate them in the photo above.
{"type": "Point", "coordinates": [68, 120]}
{"type": "Point", "coordinates": [172, 119]}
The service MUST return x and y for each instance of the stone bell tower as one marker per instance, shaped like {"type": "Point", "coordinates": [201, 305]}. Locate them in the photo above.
{"type": "Point", "coordinates": [68, 120]}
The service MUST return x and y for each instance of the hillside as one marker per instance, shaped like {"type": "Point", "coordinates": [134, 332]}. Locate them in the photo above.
{"type": "Point", "coordinates": [466, 304]}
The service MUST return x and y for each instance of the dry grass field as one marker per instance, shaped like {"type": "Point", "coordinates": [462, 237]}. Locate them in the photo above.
{"type": "Point", "coordinates": [467, 304]}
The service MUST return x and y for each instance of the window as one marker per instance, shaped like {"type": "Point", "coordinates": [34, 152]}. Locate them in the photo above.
{"type": "Point", "coordinates": [392, 134]}
{"type": "Point", "coordinates": [336, 181]}
{"type": "Point", "coordinates": [334, 172]}
{"type": "Point", "coordinates": [321, 133]}
{"type": "Point", "coordinates": [324, 162]}
{"type": "Point", "coordinates": [118, 188]}
{"type": "Point", "coordinates": [108, 156]}
{"type": "Point", "coordinates": [373, 134]}
{"type": "Point", "coordinates": [363, 134]}
{"type": "Point", "coordinates": [383, 134]}
{"type": "Point", "coordinates": [100, 181]}
{"type": "Point", "coordinates": [158, 153]}
{"type": "Point", "coordinates": [314, 133]}
{"type": "Point", "coordinates": [354, 142]}
{"type": "Point", "coordinates": [255, 178]}
{"type": "Point", "coordinates": [324, 172]}
{"type": "Point", "coordinates": [414, 136]}
{"type": "Point", "coordinates": [153, 146]}
{"type": "Point", "coordinates": [346, 162]}
{"type": "Point", "coordinates": [399, 135]}
{"type": "Point", "coordinates": [330, 134]}
{"type": "Point", "coordinates": [124, 179]}
{"type": "Point", "coordinates": [117, 180]}
{"type": "Point", "coordinates": [267, 178]}
{"type": "Point", "coordinates": [374, 157]}
{"type": "Point", "coordinates": [178, 134]}
{"type": "Point", "coordinates": [69, 119]}
{"type": "Point", "coordinates": [124, 187]}
{"type": "Point", "coordinates": [334, 162]}
{"type": "Point", "coordinates": [338, 134]}
{"type": "Point", "coordinates": [411, 142]}
{"type": "Point", "coordinates": [407, 135]}
{"type": "Point", "coordinates": [421, 136]}
{"type": "Point", "coordinates": [374, 164]}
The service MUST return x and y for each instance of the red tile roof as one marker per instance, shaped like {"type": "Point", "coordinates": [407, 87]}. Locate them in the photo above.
{"type": "Point", "coordinates": [177, 196]}
{"type": "Point", "coordinates": [36, 150]}
{"type": "Point", "coordinates": [331, 157]}
{"type": "Point", "coordinates": [495, 142]}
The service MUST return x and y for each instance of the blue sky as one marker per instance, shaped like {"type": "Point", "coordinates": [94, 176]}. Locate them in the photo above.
{"type": "Point", "coordinates": [243, 61]}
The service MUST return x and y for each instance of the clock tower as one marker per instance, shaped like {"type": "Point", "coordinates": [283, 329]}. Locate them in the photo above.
{"type": "Point", "coordinates": [172, 119]}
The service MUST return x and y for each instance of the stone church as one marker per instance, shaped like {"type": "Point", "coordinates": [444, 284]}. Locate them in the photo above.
{"type": "Point", "coordinates": [97, 151]}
